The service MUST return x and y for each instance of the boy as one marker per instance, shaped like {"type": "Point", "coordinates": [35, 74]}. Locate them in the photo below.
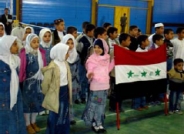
{"type": "Point", "coordinates": [112, 33]}
{"type": "Point", "coordinates": [125, 41]}
{"type": "Point", "coordinates": [72, 30]}
{"type": "Point", "coordinates": [159, 29]}
{"type": "Point", "coordinates": [140, 102]}
{"type": "Point", "coordinates": [84, 24]}
{"type": "Point", "coordinates": [133, 34]}
{"type": "Point", "coordinates": [83, 45]}
{"type": "Point", "coordinates": [100, 32]}
{"type": "Point", "coordinates": [106, 25]}
{"type": "Point", "coordinates": [157, 41]}
{"type": "Point", "coordinates": [176, 85]}
{"type": "Point", "coordinates": [169, 34]}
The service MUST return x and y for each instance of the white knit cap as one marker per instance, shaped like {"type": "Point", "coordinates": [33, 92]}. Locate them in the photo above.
{"type": "Point", "coordinates": [159, 25]}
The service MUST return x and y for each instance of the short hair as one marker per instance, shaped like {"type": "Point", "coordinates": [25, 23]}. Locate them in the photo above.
{"type": "Point", "coordinates": [57, 21]}
{"type": "Point", "coordinates": [111, 30]}
{"type": "Point", "coordinates": [179, 30]}
{"type": "Point", "coordinates": [157, 37]}
{"type": "Point", "coordinates": [123, 37]}
{"type": "Point", "coordinates": [106, 24]}
{"type": "Point", "coordinates": [89, 27]}
{"type": "Point", "coordinates": [167, 31]}
{"type": "Point", "coordinates": [142, 38]}
{"type": "Point", "coordinates": [71, 29]}
{"type": "Point", "coordinates": [84, 24]}
{"type": "Point", "coordinates": [6, 8]}
{"type": "Point", "coordinates": [133, 27]}
{"type": "Point", "coordinates": [178, 60]}
{"type": "Point", "coordinates": [139, 30]}
{"type": "Point", "coordinates": [99, 31]}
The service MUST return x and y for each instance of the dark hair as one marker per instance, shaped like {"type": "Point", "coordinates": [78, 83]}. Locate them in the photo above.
{"type": "Point", "coordinates": [71, 29]}
{"type": "Point", "coordinates": [57, 21]}
{"type": "Point", "coordinates": [133, 27]}
{"type": "Point", "coordinates": [157, 37]}
{"type": "Point", "coordinates": [178, 60]}
{"type": "Point", "coordinates": [167, 31]}
{"type": "Point", "coordinates": [99, 31]}
{"type": "Point", "coordinates": [123, 37]}
{"type": "Point", "coordinates": [179, 30]}
{"type": "Point", "coordinates": [89, 27]}
{"type": "Point", "coordinates": [106, 24]}
{"type": "Point", "coordinates": [111, 30]}
{"type": "Point", "coordinates": [157, 28]}
{"type": "Point", "coordinates": [139, 30]}
{"type": "Point", "coordinates": [6, 8]}
{"type": "Point", "coordinates": [142, 38]}
{"type": "Point", "coordinates": [84, 24]}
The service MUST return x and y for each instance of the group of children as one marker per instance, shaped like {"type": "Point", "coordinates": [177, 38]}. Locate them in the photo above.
{"type": "Point", "coordinates": [53, 71]}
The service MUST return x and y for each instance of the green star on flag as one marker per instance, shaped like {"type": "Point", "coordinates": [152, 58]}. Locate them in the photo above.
{"type": "Point", "coordinates": [130, 73]}
{"type": "Point", "coordinates": [143, 74]}
{"type": "Point", "coordinates": [157, 72]}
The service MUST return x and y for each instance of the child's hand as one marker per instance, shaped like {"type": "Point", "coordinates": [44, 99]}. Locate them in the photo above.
{"type": "Point", "coordinates": [90, 75]}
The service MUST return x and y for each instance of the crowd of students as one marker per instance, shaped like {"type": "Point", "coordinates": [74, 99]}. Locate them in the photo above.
{"type": "Point", "coordinates": [57, 70]}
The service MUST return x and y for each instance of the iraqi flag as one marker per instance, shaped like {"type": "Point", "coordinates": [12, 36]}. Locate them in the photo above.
{"type": "Point", "coordinates": [140, 73]}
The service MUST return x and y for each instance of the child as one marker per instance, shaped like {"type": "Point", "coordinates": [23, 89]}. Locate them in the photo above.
{"type": "Point", "coordinates": [106, 25]}
{"type": "Point", "coordinates": [100, 33]}
{"type": "Point", "coordinates": [72, 30]}
{"type": "Point", "coordinates": [112, 33]}
{"type": "Point", "coordinates": [98, 67]}
{"type": "Point", "coordinates": [125, 41]}
{"type": "Point", "coordinates": [57, 89]}
{"type": "Point", "coordinates": [59, 32]}
{"type": "Point", "coordinates": [11, 110]}
{"type": "Point", "coordinates": [84, 24]}
{"type": "Point", "coordinates": [159, 29]}
{"type": "Point", "coordinates": [176, 85]}
{"type": "Point", "coordinates": [46, 42]}
{"type": "Point", "coordinates": [27, 30]}
{"type": "Point", "coordinates": [140, 102]}
{"type": "Point", "coordinates": [32, 60]}
{"type": "Point", "coordinates": [83, 45]}
{"type": "Point", "coordinates": [2, 30]}
{"type": "Point", "coordinates": [73, 61]}
{"type": "Point", "coordinates": [133, 36]}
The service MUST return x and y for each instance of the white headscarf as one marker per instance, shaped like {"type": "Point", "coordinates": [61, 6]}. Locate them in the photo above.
{"type": "Point", "coordinates": [4, 29]}
{"type": "Point", "coordinates": [13, 61]}
{"type": "Point", "coordinates": [73, 53]}
{"type": "Point", "coordinates": [32, 30]}
{"type": "Point", "coordinates": [42, 43]}
{"type": "Point", "coordinates": [29, 49]}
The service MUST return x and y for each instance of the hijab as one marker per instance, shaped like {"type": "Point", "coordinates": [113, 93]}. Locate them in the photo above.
{"type": "Point", "coordinates": [41, 35]}
{"type": "Point", "coordinates": [13, 61]}
{"type": "Point", "coordinates": [3, 28]}
{"type": "Point", "coordinates": [99, 43]}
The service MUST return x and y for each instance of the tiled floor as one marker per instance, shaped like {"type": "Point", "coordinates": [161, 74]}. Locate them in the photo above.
{"type": "Point", "coordinates": [151, 121]}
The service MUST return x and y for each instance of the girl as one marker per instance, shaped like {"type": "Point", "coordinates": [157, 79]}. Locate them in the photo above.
{"type": "Point", "coordinates": [32, 60]}
{"type": "Point", "coordinates": [98, 67]}
{"type": "Point", "coordinates": [27, 30]}
{"type": "Point", "coordinates": [59, 32]}
{"type": "Point", "coordinates": [2, 30]}
{"type": "Point", "coordinates": [57, 88]}
{"type": "Point", "coordinates": [73, 61]}
{"type": "Point", "coordinates": [46, 42]}
{"type": "Point", "coordinates": [11, 110]}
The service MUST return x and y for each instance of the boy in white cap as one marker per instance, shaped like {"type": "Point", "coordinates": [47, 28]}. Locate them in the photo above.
{"type": "Point", "coordinates": [159, 29]}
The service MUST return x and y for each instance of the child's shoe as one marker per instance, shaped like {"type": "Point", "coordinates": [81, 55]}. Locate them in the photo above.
{"type": "Point", "coordinates": [139, 109]}
{"type": "Point", "coordinates": [145, 107]}
{"type": "Point", "coordinates": [102, 130]}
{"type": "Point", "coordinates": [35, 127]}
{"type": "Point", "coordinates": [95, 129]}
{"type": "Point", "coordinates": [179, 112]}
{"type": "Point", "coordinates": [30, 130]}
{"type": "Point", "coordinates": [73, 122]}
{"type": "Point", "coordinates": [171, 112]}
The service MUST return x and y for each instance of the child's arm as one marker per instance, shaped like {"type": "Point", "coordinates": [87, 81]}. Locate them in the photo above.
{"type": "Point", "coordinates": [89, 68]}
{"type": "Point", "coordinates": [111, 65]}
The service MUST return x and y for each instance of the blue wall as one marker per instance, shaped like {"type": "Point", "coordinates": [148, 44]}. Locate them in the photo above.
{"type": "Point", "coordinates": [74, 12]}
{"type": "Point", "coordinates": [138, 12]}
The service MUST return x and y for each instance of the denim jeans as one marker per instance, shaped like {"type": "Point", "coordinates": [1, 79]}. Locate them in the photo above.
{"type": "Point", "coordinates": [174, 100]}
{"type": "Point", "coordinates": [139, 102]}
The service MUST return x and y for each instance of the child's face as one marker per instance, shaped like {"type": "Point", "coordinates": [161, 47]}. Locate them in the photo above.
{"type": "Point", "coordinates": [61, 26]}
{"type": "Point", "coordinates": [28, 31]}
{"type": "Point", "coordinates": [70, 43]}
{"type": "Point", "coordinates": [159, 42]}
{"type": "Point", "coordinates": [103, 36]}
{"type": "Point", "coordinates": [47, 37]}
{"type": "Point", "coordinates": [14, 49]}
{"type": "Point", "coordinates": [1, 31]}
{"type": "Point", "coordinates": [134, 32]}
{"type": "Point", "coordinates": [98, 50]}
{"type": "Point", "coordinates": [67, 55]}
{"type": "Point", "coordinates": [126, 43]}
{"type": "Point", "coordinates": [170, 35]}
{"type": "Point", "coordinates": [114, 35]}
{"type": "Point", "coordinates": [179, 66]}
{"type": "Point", "coordinates": [160, 30]}
{"type": "Point", "coordinates": [145, 43]}
{"type": "Point", "coordinates": [181, 35]}
{"type": "Point", "coordinates": [74, 34]}
{"type": "Point", "coordinates": [91, 33]}
{"type": "Point", "coordinates": [35, 43]}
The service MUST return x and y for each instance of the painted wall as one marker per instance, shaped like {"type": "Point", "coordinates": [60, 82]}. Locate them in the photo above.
{"type": "Point", "coordinates": [74, 12]}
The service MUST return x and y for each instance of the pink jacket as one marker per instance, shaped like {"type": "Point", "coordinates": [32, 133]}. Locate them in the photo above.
{"type": "Point", "coordinates": [100, 66]}
{"type": "Point", "coordinates": [22, 73]}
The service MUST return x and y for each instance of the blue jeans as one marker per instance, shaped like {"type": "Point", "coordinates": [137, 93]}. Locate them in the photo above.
{"type": "Point", "coordinates": [169, 64]}
{"type": "Point", "coordinates": [174, 100]}
{"type": "Point", "coordinates": [139, 102]}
